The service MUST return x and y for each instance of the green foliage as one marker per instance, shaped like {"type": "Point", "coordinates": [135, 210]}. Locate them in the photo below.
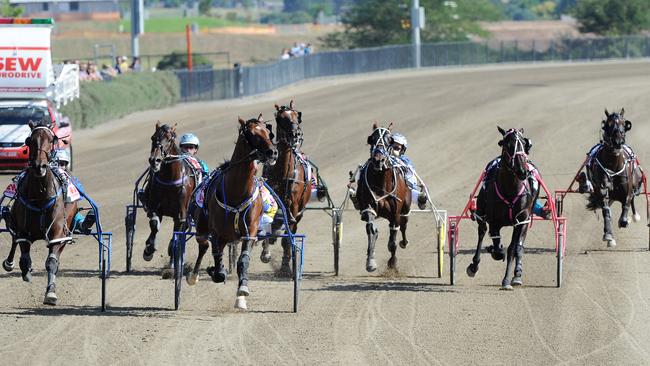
{"type": "Point", "coordinates": [381, 22]}
{"type": "Point", "coordinates": [9, 11]}
{"type": "Point", "coordinates": [298, 17]}
{"type": "Point", "coordinates": [177, 25]}
{"type": "Point", "coordinates": [178, 60]}
{"type": "Point", "coordinates": [205, 6]}
{"type": "Point", "coordinates": [291, 6]}
{"type": "Point", "coordinates": [613, 17]}
{"type": "Point", "coordinates": [534, 9]}
{"type": "Point", "coordinates": [100, 102]}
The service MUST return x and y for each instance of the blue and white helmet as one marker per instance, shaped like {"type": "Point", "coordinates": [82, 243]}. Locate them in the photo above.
{"type": "Point", "coordinates": [398, 138]}
{"type": "Point", "coordinates": [189, 139]}
{"type": "Point", "coordinates": [62, 155]}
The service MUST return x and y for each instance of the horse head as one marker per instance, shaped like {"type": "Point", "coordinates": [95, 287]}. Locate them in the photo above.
{"type": "Point", "coordinates": [41, 142]}
{"type": "Point", "coordinates": [614, 129]}
{"type": "Point", "coordinates": [380, 141]}
{"type": "Point", "coordinates": [289, 120]}
{"type": "Point", "coordinates": [513, 151]}
{"type": "Point", "coordinates": [258, 137]}
{"type": "Point", "coordinates": [163, 143]}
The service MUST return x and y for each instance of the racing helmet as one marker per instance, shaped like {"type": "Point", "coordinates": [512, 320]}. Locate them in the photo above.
{"type": "Point", "coordinates": [189, 139]}
{"type": "Point", "coordinates": [398, 138]}
{"type": "Point", "coordinates": [62, 155]}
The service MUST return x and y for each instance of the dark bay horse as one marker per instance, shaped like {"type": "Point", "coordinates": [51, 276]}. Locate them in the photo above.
{"type": "Point", "coordinates": [506, 200]}
{"type": "Point", "coordinates": [615, 174]}
{"type": "Point", "coordinates": [39, 210]}
{"type": "Point", "coordinates": [232, 206]}
{"type": "Point", "coordinates": [169, 187]}
{"type": "Point", "coordinates": [382, 191]}
{"type": "Point", "coordinates": [288, 178]}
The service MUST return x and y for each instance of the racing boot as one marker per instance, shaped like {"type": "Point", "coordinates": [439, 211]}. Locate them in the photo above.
{"type": "Point", "coordinates": [584, 185]}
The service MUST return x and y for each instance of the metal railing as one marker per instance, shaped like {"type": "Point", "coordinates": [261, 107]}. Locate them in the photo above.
{"type": "Point", "coordinates": [209, 84]}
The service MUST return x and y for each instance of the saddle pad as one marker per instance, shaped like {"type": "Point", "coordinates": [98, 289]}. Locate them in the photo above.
{"type": "Point", "coordinates": [194, 163]}
{"type": "Point", "coordinates": [10, 191]}
{"type": "Point", "coordinates": [73, 193]}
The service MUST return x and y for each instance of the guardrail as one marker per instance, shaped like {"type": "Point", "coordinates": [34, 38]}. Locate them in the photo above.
{"type": "Point", "coordinates": [210, 84]}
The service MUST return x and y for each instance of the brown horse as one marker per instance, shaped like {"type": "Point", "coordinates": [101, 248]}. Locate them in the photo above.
{"type": "Point", "coordinates": [615, 174]}
{"type": "Point", "coordinates": [39, 211]}
{"type": "Point", "coordinates": [232, 206]}
{"type": "Point", "coordinates": [382, 191]}
{"type": "Point", "coordinates": [288, 178]}
{"type": "Point", "coordinates": [169, 186]}
{"type": "Point", "coordinates": [506, 200]}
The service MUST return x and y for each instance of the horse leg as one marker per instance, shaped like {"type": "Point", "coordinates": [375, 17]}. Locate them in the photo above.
{"type": "Point", "coordinates": [625, 208]}
{"type": "Point", "coordinates": [285, 268]}
{"type": "Point", "coordinates": [607, 219]}
{"type": "Point", "coordinates": [204, 244]}
{"type": "Point", "coordinates": [218, 272]}
{"type": "Point", "coordinates": [25, 261]}
{"type": "Point", "coordinates": [519, 253]}
{"type": "Point", "coordinates": [150, 248]}
{"type": "Point", "coordinates": [516, 237]}
{"type": "Point", "coordinates": [265, 256]}
{"type": "Point", "coordinates": [52, 267]}
{"type": "Point", "coordinates": [403, 223]}
{"type": "Point", "coordinates": [472, 268]}
{"type": "Point", "coordinates": [8, 264]}
{"type": "Point", "coordinates": [242, 273]}
{"type": "Point", "coordinates": [179, 225]}
{"type": "Point", "coordinates": [392, 247]}
{"type": "Point", "coordinates": [373, 233]}
{"type": "Point", "coordinates": [635, 216]}
{"type": "Point", "coordinates": [496, 250]}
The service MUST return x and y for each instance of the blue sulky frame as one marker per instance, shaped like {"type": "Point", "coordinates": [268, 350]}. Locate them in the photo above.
{"type": "Point", "coordinates": [180, 239]}
{"type": "Point", "coordinates": [104, 239]}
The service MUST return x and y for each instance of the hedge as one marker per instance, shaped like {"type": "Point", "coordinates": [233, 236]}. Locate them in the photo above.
{"type": "Point", "coordinates": [102, 101]}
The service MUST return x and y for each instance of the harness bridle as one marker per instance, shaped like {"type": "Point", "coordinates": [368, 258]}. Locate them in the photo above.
{"type": "Point", "coordinates": [519, 149]}
{"type": "Point", "coordinates": [383, 147]}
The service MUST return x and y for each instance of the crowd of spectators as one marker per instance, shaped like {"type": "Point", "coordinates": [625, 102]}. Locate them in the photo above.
{"type": "Point", "coordinates": [89, 71]}
{"type": "Point", "coordinates": [299, 49]}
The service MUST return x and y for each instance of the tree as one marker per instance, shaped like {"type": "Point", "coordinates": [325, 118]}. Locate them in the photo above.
{"type": "Point", "coordinates": [205, 6]}
{"type": "Point", "coordinates": [613, 17]}
{"type": "Point", "coordinates": [371, 23]}
{"type": "Point", "coordinates": [7, 10]}
{"type": "Point", "coordinates": [291, 6]}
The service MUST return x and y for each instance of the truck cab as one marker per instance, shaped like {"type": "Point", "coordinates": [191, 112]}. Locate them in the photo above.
{"type": "Point", "coordinates": [31, 88]}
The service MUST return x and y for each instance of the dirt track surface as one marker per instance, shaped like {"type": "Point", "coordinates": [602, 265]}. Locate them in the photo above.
{"type": "Point", "coordinates": [599, 316]}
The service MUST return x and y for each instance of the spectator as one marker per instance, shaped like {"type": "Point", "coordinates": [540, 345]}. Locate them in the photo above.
{"type": "Point", "coordinates": [124, 65]}
{"type": "Point", "coordinates": [285, 54]}
{"type": "Point", "coordinates": [135, 65]}
{"type": "Point", "coordinates": [308, 49]}
{"type": "Point", "coordinates": [93, 73]}
{"type": "Point", "coordinates": [295, 50]}
{"type": "Point", "coordinates": [108, 73]}
{"type": "Point", "coordinates": [83, 72]}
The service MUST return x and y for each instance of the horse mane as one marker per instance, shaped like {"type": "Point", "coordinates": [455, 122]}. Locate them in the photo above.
{"type": "Point", "coordinates": [224, 165]}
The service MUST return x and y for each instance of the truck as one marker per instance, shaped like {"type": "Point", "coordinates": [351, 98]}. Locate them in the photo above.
{"type": "Point", "coordinates": [32, 88]}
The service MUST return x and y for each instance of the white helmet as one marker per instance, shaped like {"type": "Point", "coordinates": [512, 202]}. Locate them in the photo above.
{"type": "Point", "coordinates": [189, 139]}
{"type": "Point", "coordinates": [398, 138]}
{"type": "Point", "coordinates": [62, 155]}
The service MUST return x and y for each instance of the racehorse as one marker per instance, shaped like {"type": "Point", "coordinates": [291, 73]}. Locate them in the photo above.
{"type": "Point", "coordinates": [506, 200]}
{"type": "Point", "coordinates": [169, 186]}
{"type": "Point", "coordinates": [232, 206]}
{"type": "Point", "coordinates": [615, 174]}
{"type": "Point", "coordinates": [39, 211]}
{"type": "Point", "coordinates": [289, 178]}
{"type": "Point", "coordinates": [382, 191]}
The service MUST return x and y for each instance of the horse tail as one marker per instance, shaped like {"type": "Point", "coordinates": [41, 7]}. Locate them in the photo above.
{"type": "Point", "coordinates": [594, 202]}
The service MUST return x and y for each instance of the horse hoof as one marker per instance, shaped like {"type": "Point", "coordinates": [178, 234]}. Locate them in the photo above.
{"type": "Point", "coordinates": [192, 279]}
{"type": "Point", "coordinates": [8, 266]}
{"type": "Point", "coordinates": [507, 288]}
{"type": "Point", "coordinates": [50, 298]}
{"type": "Point", "coordinates": [623, 223]}
{"type": "Point", "coordinates": [240, 303]}
{"type": "Point", "coordinates": [217, 277]}
{"type": "Point", "coordinates": [265, 257]}
{"type": "Point", "coordinates": [517, 281]}
{"type": "Point", "coordinates": [611, 243]}
{"type": "Point", "coordinates": [498, 254]}
{"type": "Point", "coordinates": [636, 218]}
{"type": "Point", "coordinates": [146, 255]}
{"type": "Point", "coordinates": [27, 277]}
{"type": "Point", "coordinates": [243, 291]}
{"type": "Point", "coordinates": [608, 237]}
{"type": "Point", "coordinates": [392, 262]}
{"type": "Point", "coordinates": [472, 269]}
{"type": "Point", "coordinates": [167, 273]}
{"type": "Point", "coordinates": [371, 265]}
{"type": "Point", "coordinates": [403, 244]}
{"type": "Point", "coordinates": [285, 270]}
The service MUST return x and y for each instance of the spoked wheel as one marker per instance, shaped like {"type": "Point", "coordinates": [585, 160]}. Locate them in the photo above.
{"type": "Point", "coordinates": [104, 276]}
{"type": "Point", "coordinates": [337, 235]}
{"type": "Point", "coordinates": [178, 270]}
{"type": "Point", "coordinates": [129, 222]}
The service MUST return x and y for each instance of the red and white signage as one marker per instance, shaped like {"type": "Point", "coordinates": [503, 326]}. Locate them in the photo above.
{"type": "Point", "coordinates": [25, 60]}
